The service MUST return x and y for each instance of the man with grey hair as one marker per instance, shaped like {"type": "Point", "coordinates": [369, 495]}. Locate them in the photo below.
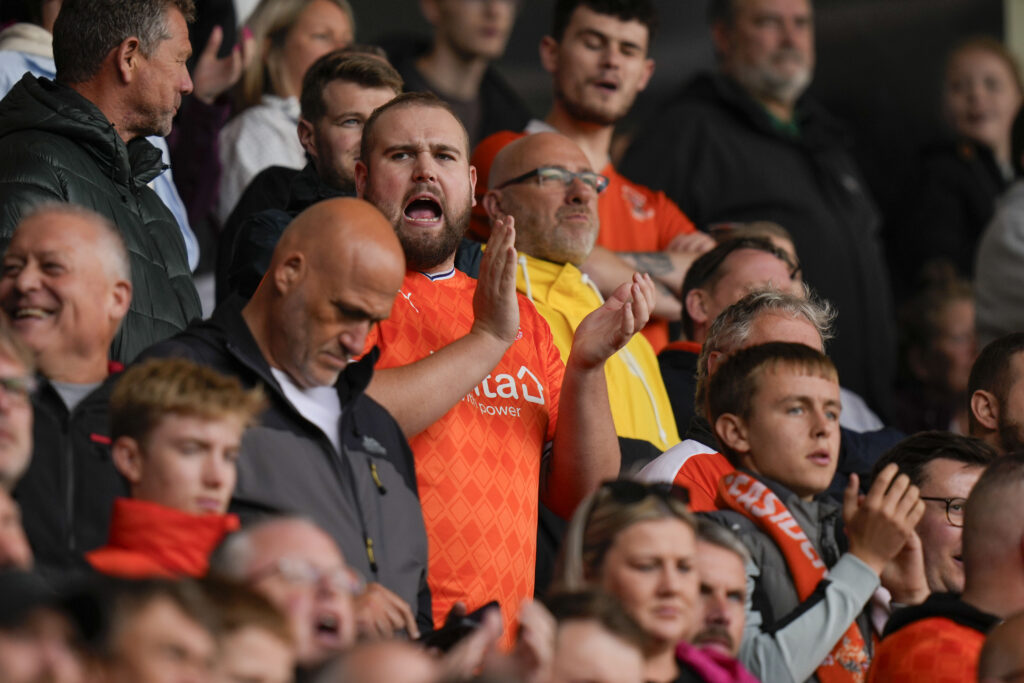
{"type": "Point", "coordinates": [298, 567]}
{"type": "Point", "coordinates": [120, 77]}
{"type": "Point", "coordinates": [66, 286]}
{"type": "Point", "coordinates": [760, 317]}
{"type": "Point", "coordinates": [746, 144]}
{"type": "Point", "coordinates": [722, 562]}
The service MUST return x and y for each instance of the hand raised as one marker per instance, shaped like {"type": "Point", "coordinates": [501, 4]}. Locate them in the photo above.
{"type": "Point", "coordinates": [881, 524]}
{"type": "Point", "coordinates": [610, 327]}
{"type": "Point", "coordinates": [212, 75]}
{"type": "Point", "coordinates": [495, 304]}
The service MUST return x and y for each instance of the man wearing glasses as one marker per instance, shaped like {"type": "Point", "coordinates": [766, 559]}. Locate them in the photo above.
{"type": "Point", "coordinates": [945, 467]}
{"type": "Point", "coordinates": [942, 638]}
{"type": "Point", "coordinates": [545, 183]}
{"type": "Point", "coordinates": [298, 567]}
{"type": "Point", "coordinates": [598, 58]}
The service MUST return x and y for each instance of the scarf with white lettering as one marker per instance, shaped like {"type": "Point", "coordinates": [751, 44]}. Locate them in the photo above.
{"type": "Point", "coordinates": [740, 492]}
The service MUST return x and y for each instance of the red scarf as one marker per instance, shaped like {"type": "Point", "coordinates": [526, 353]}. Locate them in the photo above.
{"type": "Point", "coordinates": [849, 659]}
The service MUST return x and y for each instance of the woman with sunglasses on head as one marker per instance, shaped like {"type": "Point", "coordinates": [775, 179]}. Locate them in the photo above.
{"type": "Point", "coordinates": [637, 542]}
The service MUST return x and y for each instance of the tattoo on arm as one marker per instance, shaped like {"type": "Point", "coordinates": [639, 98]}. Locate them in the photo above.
{"type": "Point", "coordinates": [654, 263]}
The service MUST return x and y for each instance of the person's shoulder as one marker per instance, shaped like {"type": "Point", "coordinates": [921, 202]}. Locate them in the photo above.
{"type": "Point", "coordinates": [928, 647]}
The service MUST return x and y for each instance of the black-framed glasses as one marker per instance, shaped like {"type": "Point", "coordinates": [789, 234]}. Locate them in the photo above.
{"type": "Point", "coordinates": [954, 509]}
{"type": "Point", "coordinates": [553, 176]}
{"type": "Point", "coordinates": [629, 491]}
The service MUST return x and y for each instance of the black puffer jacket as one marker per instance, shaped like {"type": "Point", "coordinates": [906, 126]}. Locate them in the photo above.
{"type": "Point", "coordinates": [58, 146]}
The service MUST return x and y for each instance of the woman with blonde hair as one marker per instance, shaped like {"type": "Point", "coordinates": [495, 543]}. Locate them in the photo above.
{"type": "Point", "coordinates": [289, 36]}
{"type": "Point", "coordinates": [637, 542]}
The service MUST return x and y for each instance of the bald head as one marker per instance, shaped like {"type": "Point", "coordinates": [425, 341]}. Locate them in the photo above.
{"type": "Point", "coordinates": [334, 274]}
{"type": "Point", "coordinates": [1003, 653]}
{"type": "Point", "coordinates": [391, 661]}
{"type": "Point", "coordinates": [555, 221]}
{"type": "Point", "coordinates": [993, 535]}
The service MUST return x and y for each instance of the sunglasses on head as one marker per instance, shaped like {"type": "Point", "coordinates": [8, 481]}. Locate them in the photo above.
{"type": "Point", "coordinates": [629, 491]}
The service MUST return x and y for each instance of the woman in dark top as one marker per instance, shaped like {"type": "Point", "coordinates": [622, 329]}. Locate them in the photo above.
{"type": "Point", "coordinates": [964, 174]}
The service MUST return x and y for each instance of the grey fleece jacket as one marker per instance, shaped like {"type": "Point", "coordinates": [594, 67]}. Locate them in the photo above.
{"type": "Point", "coordinates": [784, 639]}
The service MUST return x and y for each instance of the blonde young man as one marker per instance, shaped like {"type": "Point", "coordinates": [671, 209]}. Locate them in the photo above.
{"type": "Point", "coordinates": [176, 429]}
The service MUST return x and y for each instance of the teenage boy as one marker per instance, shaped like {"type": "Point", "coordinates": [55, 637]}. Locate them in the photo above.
{"type": "Point", "coordinates": [176, 429]}
{"type": "Point", "coordinates": [775, 411]}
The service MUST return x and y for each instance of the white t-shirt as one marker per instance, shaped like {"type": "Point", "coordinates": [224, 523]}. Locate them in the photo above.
{"type": "Point", "coordinates": [319, 405]}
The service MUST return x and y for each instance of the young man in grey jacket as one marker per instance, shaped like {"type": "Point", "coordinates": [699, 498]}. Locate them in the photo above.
{"type": "Point", "coordinates": [775, 410]}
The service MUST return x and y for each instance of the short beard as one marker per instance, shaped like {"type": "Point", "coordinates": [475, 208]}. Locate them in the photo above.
{"type": "Point", "coordinates": [423, 253]}
{"type": "Point", "coordinates": [1010, 435]}
{"type": "Point", "coordinates": [763, 83]}
{"type": "Point", "coordinates": [586, 114]}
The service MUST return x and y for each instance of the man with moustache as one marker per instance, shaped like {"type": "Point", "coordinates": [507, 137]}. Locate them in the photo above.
{"type": "Point", "coordinates": [545, 183]}
{"type": "Point", "coordinates": [471, 373]}
{"type": "Point", "coordinates": [598, 56]}
{"type": "Point", "coordinates": [722, 561]}
{"type": "Point", "coordinates": [339, 92]}
{"type": "Point", "coordinates": [997, 394]}
{"type": "Point", "coordinates": [746, 144]}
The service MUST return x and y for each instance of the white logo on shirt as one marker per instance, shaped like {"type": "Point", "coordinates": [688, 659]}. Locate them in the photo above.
{"type": "Point", "coordinates": [524, 386]}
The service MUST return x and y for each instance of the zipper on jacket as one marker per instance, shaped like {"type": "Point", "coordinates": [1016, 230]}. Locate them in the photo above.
{"type": "Point", "coordinates": [376, 478]}
{"type": "Point", "coordinates": [369, 552]}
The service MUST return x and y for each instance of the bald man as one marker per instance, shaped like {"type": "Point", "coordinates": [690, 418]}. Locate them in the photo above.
{"type": "Point", "coordinates": [1002, 657]}
{"type": "Point", "coordinates": [544, 181]}
{"type": "Point", "coordinates": [324, 449]}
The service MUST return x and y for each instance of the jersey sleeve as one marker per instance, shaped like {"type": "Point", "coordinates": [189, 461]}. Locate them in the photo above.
{"type": "Point", "coordinates": [672, 222]}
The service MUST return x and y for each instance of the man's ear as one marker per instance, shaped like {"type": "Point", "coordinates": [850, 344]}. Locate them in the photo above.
{"type": "Point", "coordinates": [472, 183]}
{"type": "Point", "coordinates": [127, 457]}
{"type": "Point", "coordinates": [731, 431]}
{"type": "Point", "coordinates": [695, 308]}
{"type": "Point", "coordinates": [985, 407]}
{"type": "Point", "coordinates": [360, 174]}
{"type": "Point", "coordinates": [289, 272]}
{"type": "Point", "coordinates": [714, 359]}
{"type": "Point", "coordinates": [492, 204]}
{"type": "Point", "coordinates": [648, 72]}
{"type": "Point", "coordinates": [128, 54]}
{"type": "Point", "coordinates": [121, 297]}
{"type": "Point", "coordinates": [307, 137]}
{"type": "Point", "coordinates": [548, 54]}
{"type": "Point", "coordinates": [721, 38]}
{"type": "Point", "coordinates": [430, 12]}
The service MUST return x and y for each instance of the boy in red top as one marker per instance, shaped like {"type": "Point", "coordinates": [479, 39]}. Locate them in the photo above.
{"type": "Point", "coordinates": [176, 428]}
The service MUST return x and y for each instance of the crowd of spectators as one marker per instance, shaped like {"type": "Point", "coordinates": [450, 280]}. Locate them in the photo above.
{"type": "Point", "coordinates": [477, 396]}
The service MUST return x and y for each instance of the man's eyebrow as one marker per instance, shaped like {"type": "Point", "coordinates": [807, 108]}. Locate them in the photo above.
{"type": "Point", "coordinates": [445, 147]}
{"type": "Point", "coordinates": [402, 147]}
